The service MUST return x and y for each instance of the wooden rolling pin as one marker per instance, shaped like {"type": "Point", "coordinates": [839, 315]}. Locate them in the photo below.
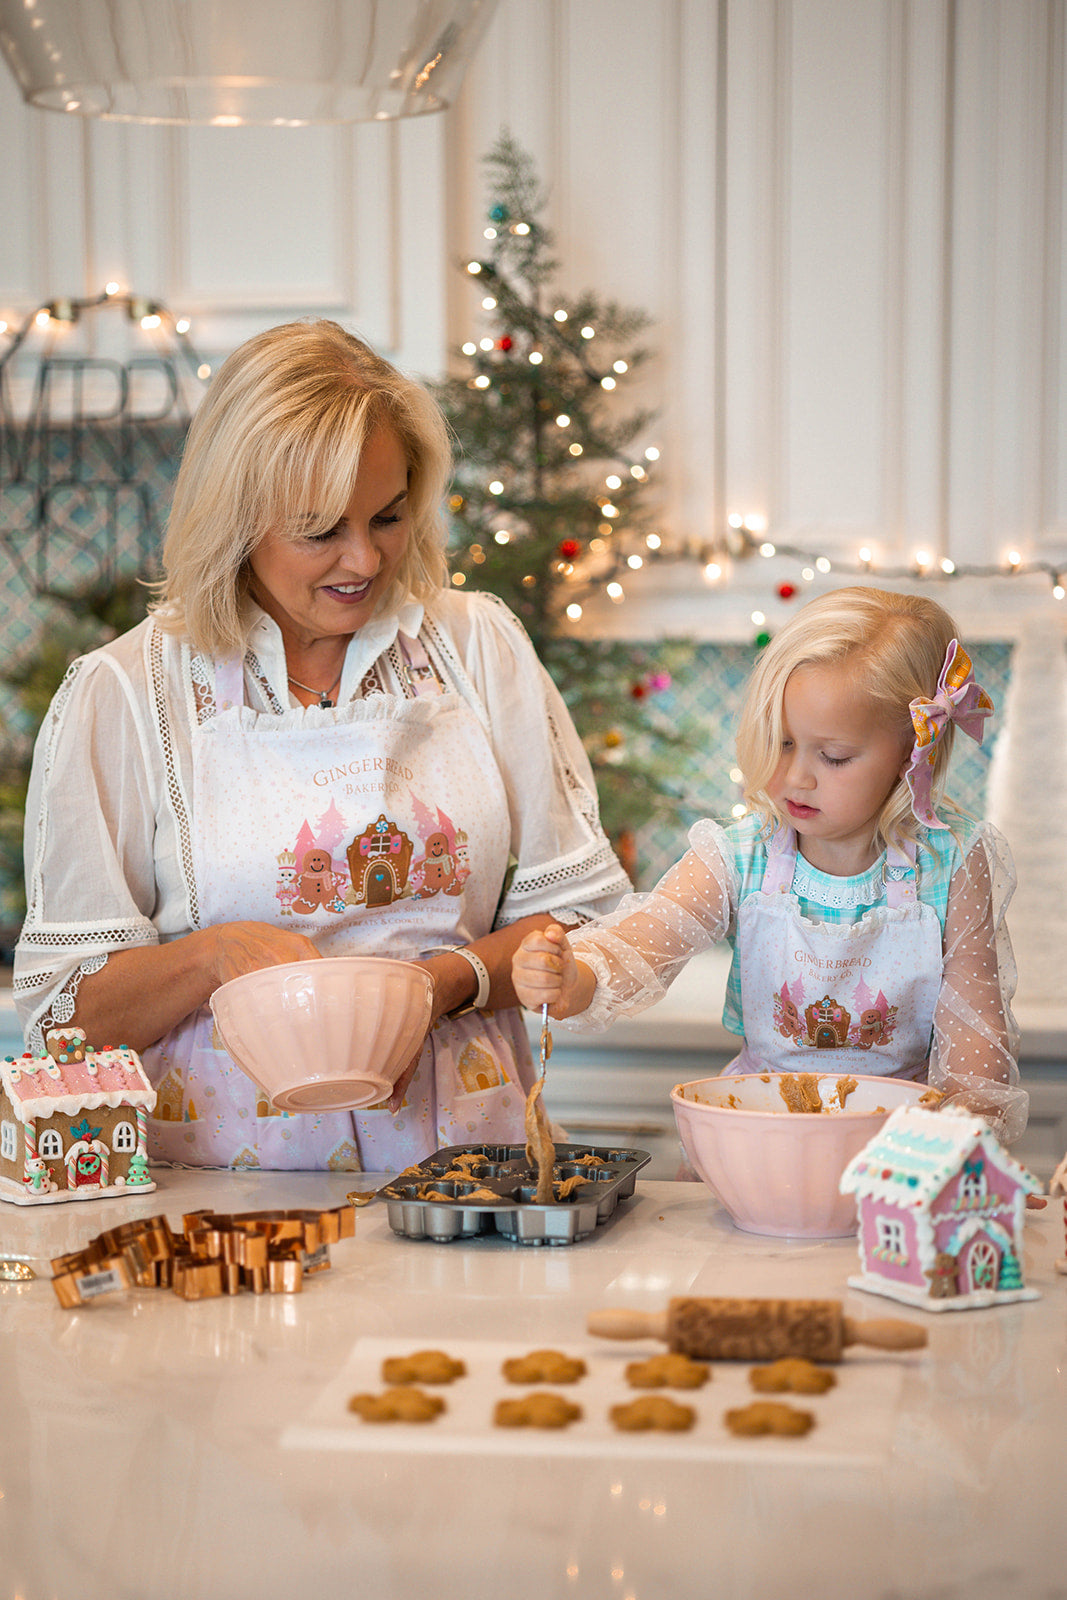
{"type": "Point", "coordinates": [756, 1330]}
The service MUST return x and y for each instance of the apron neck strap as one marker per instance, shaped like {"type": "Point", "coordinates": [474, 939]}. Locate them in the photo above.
{"type": "Point", "coordinates": [898, 871]}
{"type": "Point", "coordinates": [229, 683]}
{"type": "Point", "coordinates": [781, 862]}
{"type": "Point", "coordinates": [420, 675]}
{"type": "Point", "coordinates": [899, 874]}
{"type": "Point", "coordinates": [230, 674]}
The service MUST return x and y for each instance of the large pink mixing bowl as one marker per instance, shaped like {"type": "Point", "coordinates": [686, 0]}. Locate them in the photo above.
{"type": "Point", "coordinates": [329, 1035]}
{"type": "Point", "coordinates": [777, 1171]}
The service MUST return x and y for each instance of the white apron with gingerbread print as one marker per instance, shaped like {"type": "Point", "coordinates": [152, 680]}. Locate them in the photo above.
{"type": "Point", "coordinates": [824, 997]}
{"type": "Point", "coordinates": [376, 828]}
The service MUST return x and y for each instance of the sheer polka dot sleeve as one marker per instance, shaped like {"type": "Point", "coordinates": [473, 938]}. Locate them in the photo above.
{"type": "Point", "coordinates": [639, 949]}
{"type": "Point", "coordinates": [974, 1061]}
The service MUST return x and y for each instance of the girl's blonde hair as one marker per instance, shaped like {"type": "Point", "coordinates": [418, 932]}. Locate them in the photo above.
{"type": "Point", "coordinates": [891, 646]}
{"type": "Point", "coordinates": [279, 435]}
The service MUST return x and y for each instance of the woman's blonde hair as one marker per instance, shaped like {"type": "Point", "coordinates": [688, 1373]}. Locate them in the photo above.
{"type": "Point", "coordinates": [892, 647]}
{"type": "Point", "coordinates": [279, 435]}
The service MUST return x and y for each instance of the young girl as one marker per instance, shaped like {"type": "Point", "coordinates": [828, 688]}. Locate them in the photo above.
{"type": "Point", "coordinates": [865, 910]}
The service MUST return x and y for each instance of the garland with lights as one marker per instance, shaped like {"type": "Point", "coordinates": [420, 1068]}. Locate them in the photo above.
{"type": "Point", "coordinates": [550, 496]}
{"type": "Point", "coordinates": [64, 311]}
{"type": "Point", "coordinates": [750, 539]}
{"type": "Point", "coordinates": [746, 538]}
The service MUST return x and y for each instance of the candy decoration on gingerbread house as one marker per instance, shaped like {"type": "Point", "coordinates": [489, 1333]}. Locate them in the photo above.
{"type": "Point", "coordinates": [73, 1123]}
{"type": "Point", "coordinates": [941, 1208]}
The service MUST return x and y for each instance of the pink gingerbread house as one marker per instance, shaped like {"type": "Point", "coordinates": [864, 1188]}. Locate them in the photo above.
{"type": "Point", "coordinates": [941, 1207]}
{"type": "Point", "coordinates": [73, 1123]}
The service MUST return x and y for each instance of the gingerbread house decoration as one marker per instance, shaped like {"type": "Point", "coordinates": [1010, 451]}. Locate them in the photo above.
{"type": "Point", "coordinates": [378, 862]}
{"type": "Point", "coordinates": [828, 1023]}
{"type": "Point", "coordinates": [941, 1207]}
{"type": "Point", "coordinates": [73, 1123]}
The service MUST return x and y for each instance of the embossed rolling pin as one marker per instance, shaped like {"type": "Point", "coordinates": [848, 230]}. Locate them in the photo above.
{"type": "Point", "coordinates": [756, 1330]}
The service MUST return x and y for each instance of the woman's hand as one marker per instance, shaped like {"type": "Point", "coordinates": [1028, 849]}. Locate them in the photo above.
{"type": "Point", "coordinates": [545, 972]}
{"type": "Point", "coordinates": [242, 947]}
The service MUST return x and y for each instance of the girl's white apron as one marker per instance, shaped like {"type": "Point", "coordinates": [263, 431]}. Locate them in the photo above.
{"type": "Point", "coordinates": [823, 997]}
{"type": "Point", "coordinates": [376, 828]}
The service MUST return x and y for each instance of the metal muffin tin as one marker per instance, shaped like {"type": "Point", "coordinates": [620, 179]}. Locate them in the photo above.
{"type": "Point", "coordinates": [504, 1170]}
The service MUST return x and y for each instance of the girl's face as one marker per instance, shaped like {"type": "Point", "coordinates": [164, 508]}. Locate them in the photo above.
{"type": "Point", "coordinates": [838, 766]}
{"type": "Point", "coordinates": [328, 584]}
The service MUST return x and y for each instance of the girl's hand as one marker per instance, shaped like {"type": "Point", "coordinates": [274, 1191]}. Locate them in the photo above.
{"type": "Point", "coordinates": [545, 972]}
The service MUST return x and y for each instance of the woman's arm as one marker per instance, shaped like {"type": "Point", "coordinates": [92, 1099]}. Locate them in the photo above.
{"type": "Point", "coordinates": [140, 994]}
{"type": "Point", "coordinates": [633, 954]}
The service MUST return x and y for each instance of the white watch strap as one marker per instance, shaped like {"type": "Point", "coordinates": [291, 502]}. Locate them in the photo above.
{"type": "Point", "coordinates": [481, 972]}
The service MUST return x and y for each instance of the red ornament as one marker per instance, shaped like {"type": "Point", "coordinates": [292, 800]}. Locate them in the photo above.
{"type": "Point", "coordinates": [786, 591]}
{"type": "Point", "coordinates": [569, 549]}
{"type": "Point", "coordinates": [504, 343]}
{"type": "Point", "coordinates": [637, 691]}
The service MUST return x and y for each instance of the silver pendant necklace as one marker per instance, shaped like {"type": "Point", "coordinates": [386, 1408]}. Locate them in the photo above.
{"type": "Point", "coordinates": [324, 694]}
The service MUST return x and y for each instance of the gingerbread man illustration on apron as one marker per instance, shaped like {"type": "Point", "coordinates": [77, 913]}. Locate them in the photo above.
{"type": "Point", "coordinates": [826, 997]}
{"type": "Point", "coordinates": [378, 827]}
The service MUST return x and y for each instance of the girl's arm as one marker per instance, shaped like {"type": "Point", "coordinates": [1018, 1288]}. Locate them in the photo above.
{"type": "Point", "coordinates": [626, 961]}
{"type": "Point", "coordinates": [976, 1040]}
{"type": "Point", "coordinates": [545, 973]}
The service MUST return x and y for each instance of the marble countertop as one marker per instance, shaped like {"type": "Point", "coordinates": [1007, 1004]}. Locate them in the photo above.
{"type": "Point", "coordinates": [154, 1448]}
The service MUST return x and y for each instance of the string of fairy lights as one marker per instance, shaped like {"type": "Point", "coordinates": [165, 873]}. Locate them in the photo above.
{"type": "Point", "coordinates": [610, 557]}
{"type": "Point", "coordinates": [58, 316]}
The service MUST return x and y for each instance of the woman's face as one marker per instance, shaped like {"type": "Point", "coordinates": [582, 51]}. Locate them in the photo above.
{"type": "Point", "coordinates": [328, 584]}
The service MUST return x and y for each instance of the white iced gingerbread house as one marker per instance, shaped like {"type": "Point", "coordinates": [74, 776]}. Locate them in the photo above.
{"type": "Point", "coordinates": [73, 1123]}
{"type": "Point", "coordinates": [941, 1208]}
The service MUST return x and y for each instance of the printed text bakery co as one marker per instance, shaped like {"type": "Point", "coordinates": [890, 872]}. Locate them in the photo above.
{"type": "Point", "coordinates": [830, 963]}
{"type": "Point", "coordinates": [367, 775]}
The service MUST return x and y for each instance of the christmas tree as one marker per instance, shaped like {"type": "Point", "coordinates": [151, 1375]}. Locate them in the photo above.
{"type": "Point", "coordinates": [550, 498]}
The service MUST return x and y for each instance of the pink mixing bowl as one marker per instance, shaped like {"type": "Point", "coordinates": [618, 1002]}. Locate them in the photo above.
{"type": "Point", "coordinates": [777, 1171]}
{"type": "Point", "coordinates": [330, 1035]}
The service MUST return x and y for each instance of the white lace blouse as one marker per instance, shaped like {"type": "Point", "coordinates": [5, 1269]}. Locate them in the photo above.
{"type": "Point", "coordinates": [108, 848]}
{"type": "Point", "coordinates": [966, 874]}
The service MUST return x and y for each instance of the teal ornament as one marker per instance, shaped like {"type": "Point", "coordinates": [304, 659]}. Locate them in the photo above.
{"type": "Point", "coordinates": [498, 213]}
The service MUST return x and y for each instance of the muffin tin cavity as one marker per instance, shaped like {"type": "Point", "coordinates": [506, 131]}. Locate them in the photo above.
{"type": "Point", "coordinates": [469, 1189]}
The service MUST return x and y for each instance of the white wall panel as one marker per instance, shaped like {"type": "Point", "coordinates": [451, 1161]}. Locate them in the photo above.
{"type": "Point", "coordinates": [998, 303]}
{"type": "Point", "coordinates": [20, 211]}
{"type": "Point", "coordinates": [845, 218]}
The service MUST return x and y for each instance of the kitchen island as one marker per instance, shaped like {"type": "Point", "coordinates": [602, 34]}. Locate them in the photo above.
{"type": "Point", "coordinates": [158, 1449]}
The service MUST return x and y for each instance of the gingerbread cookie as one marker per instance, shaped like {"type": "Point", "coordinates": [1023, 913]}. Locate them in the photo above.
{"type": "Point", "coordinates": [768, 1416]}
{"type": "Point", "coordinates": [537, 1410]}
{"type": "Point", "coordinates": [544, 1366]}
{"type": "Point", "coordinates": [397, 1405]}
{"type": "Point", "coordinates": [794, 1373]}
{"type": "Point", "coordinates": [653, 1411]}
{"type": "Point", "coordinates": [424, 1366]}
{"type": "Point", "coordinates": [668, 1371]}
{"type": "Point", "coordinates": [315, 886]}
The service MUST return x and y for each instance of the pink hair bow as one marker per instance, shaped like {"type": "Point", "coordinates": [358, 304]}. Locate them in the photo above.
{"type": "Point", "coordinates": [959, 699]}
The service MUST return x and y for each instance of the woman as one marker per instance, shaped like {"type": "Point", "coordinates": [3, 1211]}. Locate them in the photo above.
{"type": "Point", "coordinates": [311, 747]}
